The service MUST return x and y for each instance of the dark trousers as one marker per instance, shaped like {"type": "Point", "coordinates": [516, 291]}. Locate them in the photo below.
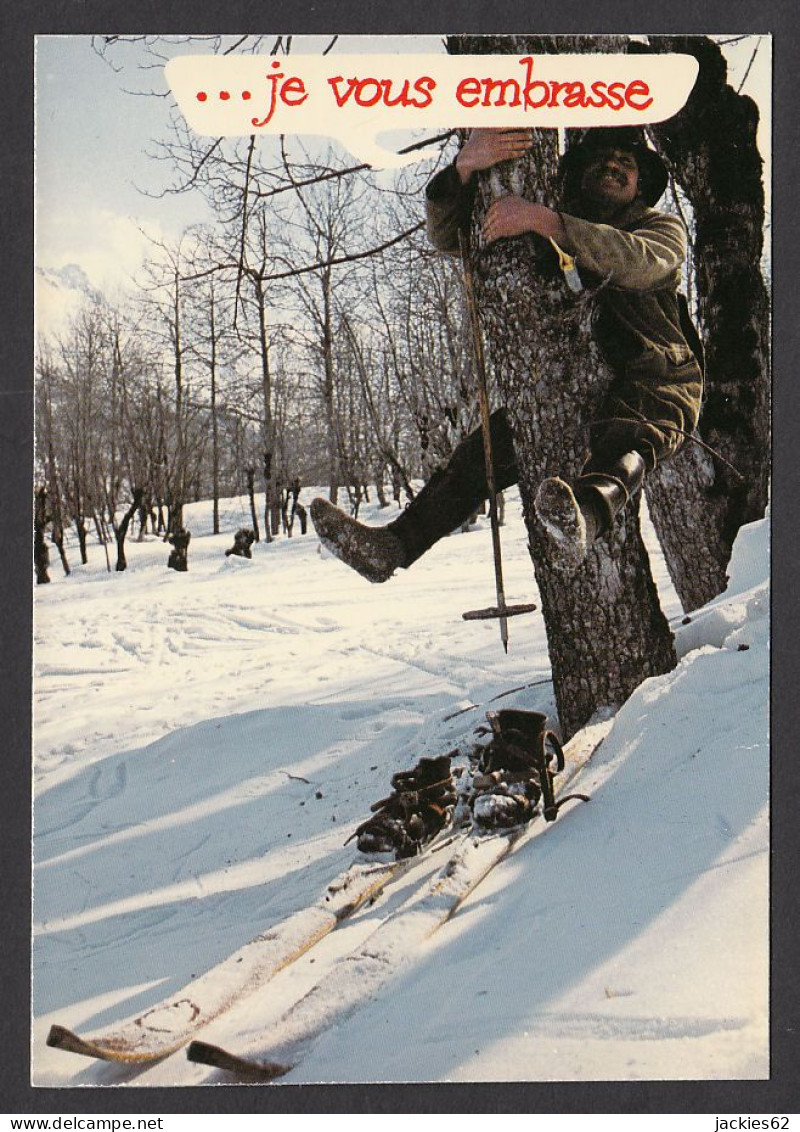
{"type": "Point", "coordinates": [456, 491]}
{"type": "Point", "coordinates": [649, 412]}
{"type": "Point", "coordinates": [650, 409]}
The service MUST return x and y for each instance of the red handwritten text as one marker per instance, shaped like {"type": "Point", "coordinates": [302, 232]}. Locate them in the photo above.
{"type": "Point", "coordinates": [289, 91]}
{"type": "Point", "coordinates": [534, 94]}
{"type": "Point", "coordinates": [369, 91]}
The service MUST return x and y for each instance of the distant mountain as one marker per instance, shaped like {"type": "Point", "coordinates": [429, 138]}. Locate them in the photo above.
{"type": "Point", "coordinates": [70, 277]}
{"type": "Point", "coordinates": [59, 293]}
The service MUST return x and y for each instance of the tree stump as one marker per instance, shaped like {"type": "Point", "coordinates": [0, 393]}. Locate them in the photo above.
{"type": "Point", "coordinates": [178, 558]}
{"type": "Point", "coordinates": [242, 541]}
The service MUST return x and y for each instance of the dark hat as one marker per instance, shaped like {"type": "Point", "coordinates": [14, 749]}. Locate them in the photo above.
{"type": "Point", "coordinates": [652, 170]}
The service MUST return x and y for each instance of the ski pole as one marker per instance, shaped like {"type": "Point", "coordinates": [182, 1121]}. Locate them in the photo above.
{"type": "Point", "coordinates": [501, 611]}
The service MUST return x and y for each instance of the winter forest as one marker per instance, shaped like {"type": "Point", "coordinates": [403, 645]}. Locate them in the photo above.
{"type": "Point", "coordinates": [308, 335]}
{"type": "Point", "coordinates": [303, 337]}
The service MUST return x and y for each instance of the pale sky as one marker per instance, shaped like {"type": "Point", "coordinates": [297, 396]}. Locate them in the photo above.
{"type": "Point", "coordinates": [93, 139]}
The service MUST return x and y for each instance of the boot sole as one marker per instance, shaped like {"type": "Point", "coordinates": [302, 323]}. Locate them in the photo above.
{"type": "Point", "coordinates": [347, 540]}
{"type": "Point", "coordinates": [560, 514]}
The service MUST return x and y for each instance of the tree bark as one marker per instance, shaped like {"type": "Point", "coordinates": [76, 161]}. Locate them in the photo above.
{"type": "Point", "coordinates": [605, 629]}
{"type": "Point", "coordinates": [251, 489]}
{"type": "Point", "coordinates": [102, 537]}
{"type": "Point", "coordinates": [177, 482]}
{"type": "Point", "coordinates": [80, 531]}
{"type": "Point", "coordinates": [214, 415]}
{"type": "Point", "coordinates": [329, 385]}
{"type": "Point", "coordinates": [379, 488]}
{"type": "Point", "coordinates": [122, 530]}
{"type": "Point", "coordinates": [41, 555]}
{"type": "Point", "coordinates": [269, 429]}
{"type": "Point", "coordinates": [698, 504]}
{"type": "Point", "coordinates": [57, 522]}
{"type": "Point", "coordinates": [57, 538]}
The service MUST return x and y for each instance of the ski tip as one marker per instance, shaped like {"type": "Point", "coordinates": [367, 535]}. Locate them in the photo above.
{"type": "Point", "coordinates": [60, 1038]}
{"type": "Point", "coordinates": [203, 1053]}
{"type": "Point", "coordinates": [103, 1049]}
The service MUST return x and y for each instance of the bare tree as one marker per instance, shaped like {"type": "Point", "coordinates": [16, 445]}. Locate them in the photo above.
{"type": "Point", "coordinates": [47, 393]}
{"type": "Point", "coordinates": [324, 227]}
{"type": "Point", "coordinates": [181, 442]}
{"type": "Point", "coordinates": [213, 344]}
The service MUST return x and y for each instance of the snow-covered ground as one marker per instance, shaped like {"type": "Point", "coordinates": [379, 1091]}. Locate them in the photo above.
{"type": "Point", "coordinates": [206, 742]}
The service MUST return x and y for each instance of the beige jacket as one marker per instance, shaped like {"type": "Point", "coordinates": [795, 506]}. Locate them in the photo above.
{"type": "Point", "coordinates": [636, 262]}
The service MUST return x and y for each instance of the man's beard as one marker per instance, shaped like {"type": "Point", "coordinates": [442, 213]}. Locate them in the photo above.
{"type": "Point", "coordinates": [602, 195]}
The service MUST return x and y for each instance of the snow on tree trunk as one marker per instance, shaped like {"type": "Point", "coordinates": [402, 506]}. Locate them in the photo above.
{"type": "Point", "coordinates": [606, 631]}
{"type": "Point", "coordinates": [698, 504]}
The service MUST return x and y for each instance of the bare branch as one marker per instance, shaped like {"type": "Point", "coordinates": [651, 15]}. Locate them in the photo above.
{"type": "Point", "coordinates": [335, 174]}
{"type": "Point", "coordinates": [346, 258]}
{"type": "Point", "coordinates": [244, 230]}
{"type": "Point", "coordinates": [749, 66]}
{"type": "Point", "coordinates": [672, 428]}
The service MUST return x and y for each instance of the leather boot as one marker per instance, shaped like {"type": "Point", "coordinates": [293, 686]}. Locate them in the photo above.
{"type": "Point", "coordinates": [575, 517]}
{"type": "Point", "coordinates": [448, 499]}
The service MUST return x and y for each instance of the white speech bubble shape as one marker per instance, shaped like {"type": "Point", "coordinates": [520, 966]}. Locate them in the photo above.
{"type": "Point", "coordinates": [356, 97]}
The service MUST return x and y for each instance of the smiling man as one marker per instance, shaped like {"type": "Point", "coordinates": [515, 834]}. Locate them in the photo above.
{"type": "Point", "coordinates": [610, 182]}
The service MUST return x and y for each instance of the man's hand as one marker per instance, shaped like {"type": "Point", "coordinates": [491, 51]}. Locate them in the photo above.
{"type": "Point", "coordinates": [487, 147]}
{"type": "Point", "coordinates": [511, 216]}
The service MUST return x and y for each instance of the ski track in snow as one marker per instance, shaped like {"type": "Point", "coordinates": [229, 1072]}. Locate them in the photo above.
{"type": "Point", "coordinates": [205, 744]}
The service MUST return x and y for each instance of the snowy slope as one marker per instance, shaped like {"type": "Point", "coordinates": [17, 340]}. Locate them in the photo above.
{"type": "Point", "coordinates": [206, 742]}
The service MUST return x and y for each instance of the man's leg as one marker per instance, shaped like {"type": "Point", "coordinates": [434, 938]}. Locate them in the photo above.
{"type": "Point", "coordinates": [452, 494]}
{"type": "Point", "coordinates": [642, 424]}
{"type": "Point", "coordinates": [574, 516]}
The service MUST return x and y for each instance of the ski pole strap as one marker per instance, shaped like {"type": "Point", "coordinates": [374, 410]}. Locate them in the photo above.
{"type": "Point", "coordinates": [552, 738]}
{"type": "Point", "coordinates": [550, 806]}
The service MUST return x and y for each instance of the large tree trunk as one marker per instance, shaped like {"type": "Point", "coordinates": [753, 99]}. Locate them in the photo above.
{"type": "Point", "coordinates": [605, 629]}
{"type": "Point", "coordinates": [699, 503]}
{"type": "Point", "coordinates": [687, 515]}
